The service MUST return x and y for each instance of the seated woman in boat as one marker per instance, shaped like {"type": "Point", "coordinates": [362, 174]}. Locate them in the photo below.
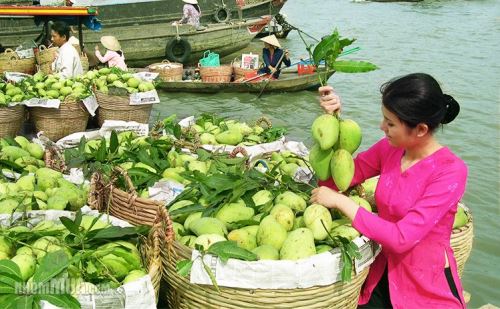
{"type": "Point", "coordinates": [191, 13]}
{"type": "Point", "coordinates": [114, 55]}
{"type": "Point", "coordinates": [273, 56]}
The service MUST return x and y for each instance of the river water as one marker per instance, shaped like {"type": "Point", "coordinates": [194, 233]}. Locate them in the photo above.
{"type": "Point", "coordinates": [455, 41]}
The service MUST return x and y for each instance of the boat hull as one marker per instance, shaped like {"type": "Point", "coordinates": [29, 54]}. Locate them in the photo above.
{"type": "Point", "coordinates": [288, 82]}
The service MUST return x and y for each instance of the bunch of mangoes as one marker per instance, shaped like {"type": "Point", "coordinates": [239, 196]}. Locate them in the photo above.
{"type": "Point", "coordinates": [335, 142]}
{"type": "Point", "coordinates": [105, 78]}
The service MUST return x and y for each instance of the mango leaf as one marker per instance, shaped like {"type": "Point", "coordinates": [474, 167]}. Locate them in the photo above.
{"type": "Point", "coordinates": [186, 210]}
{"type": "Point", "coordinates": [61, 300]}
{"type": "Point", "coordinates": [15, 167]}
{"type": "Point", "coordinates": [8, 280]}
{"type": "Point", "coordinates": [26, 301]}
{"type": "Point", "coordinates": [113, 142]}
{"type": "Point", "coordinates": [183, 267]}
{"type": "Point", "coordinates": [9, 301]}
{"type": "Point", "coordinates": [70, 225]}
{"type": "Point", "coordinates": [347, 66]}
{"type": "Point", "coordinates": [229, 249]}
{"type": "Point", "coordinates": [101, 153]}
{"type": "Point", "coordinates": [6, 289]}
{"type": "Point", "coordinates": [118, 232]}
{"type": "Point", "coordinates": [7, 267]}
{"type": "Point", "coordinates": [346, 42]}
{"type": "Point", "coordinates": [52, 264]}
{"type": "Point", "coordinates": [325, 46]}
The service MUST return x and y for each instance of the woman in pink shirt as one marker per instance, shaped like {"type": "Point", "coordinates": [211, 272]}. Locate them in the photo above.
{"type": "Point", "coordinates": [420, 184]}
{"type": "Point", "coordinates": [114, 55]}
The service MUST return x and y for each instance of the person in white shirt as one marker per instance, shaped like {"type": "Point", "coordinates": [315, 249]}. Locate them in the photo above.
{"type": "Point", "coordinates": [67, 63]}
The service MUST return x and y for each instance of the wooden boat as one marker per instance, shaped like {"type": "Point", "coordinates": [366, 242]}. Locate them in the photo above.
{"type": "Point", "coordinates": [287, 82]}
{"type": "Point", "coordinates": [136, 20]}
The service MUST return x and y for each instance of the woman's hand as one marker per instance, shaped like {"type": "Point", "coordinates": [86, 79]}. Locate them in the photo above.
{"type": "Point", "coordinates": [332, 199]}
{"type": "Point", "coordinates": [329, 100]}
{"type": "Point", "coordinates": [96, 47]}
{"type": "Point", "coordinates": [287, 54]}
{"type": "Point", "coordinates": [326, 197]}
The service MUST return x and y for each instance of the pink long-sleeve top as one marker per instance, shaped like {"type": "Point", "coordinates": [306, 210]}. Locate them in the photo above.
{"type": "Point", "coordinates": [416, 209]}
{"type": "Point", "coordinates": [112, 58]}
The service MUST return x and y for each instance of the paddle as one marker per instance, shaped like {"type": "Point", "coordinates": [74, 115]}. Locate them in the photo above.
{"type": "Point", "coordinates": [272, 73]}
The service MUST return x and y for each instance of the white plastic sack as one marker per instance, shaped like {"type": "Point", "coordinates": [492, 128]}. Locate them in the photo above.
{"type": "Point", "coordinates": [318, 270]}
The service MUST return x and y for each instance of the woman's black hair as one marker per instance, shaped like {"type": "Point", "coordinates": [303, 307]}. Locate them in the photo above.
{"type": "Point", "coordinates": [61, 28]}
{"type": "Point", "coordinates": [119, 52]}
{"type": "Point", "coordinates": [417, 98]}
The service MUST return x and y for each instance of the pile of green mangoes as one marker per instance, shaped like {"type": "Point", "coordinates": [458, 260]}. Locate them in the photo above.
{"type": "Point", "coordinates": [335, 142]}
{"type": "Point", "coordinates": [91, 268]}
{"type": "Point", "coordinates": [37, 187]}
{"type": "Point", "coordinates": [278, 223]}
{"type": "Point", "coordinates": [212, 129]}
{"type": "Point", "coordinates": [44, 87]}
{"type": "Point", "coordinates": [113, 77]}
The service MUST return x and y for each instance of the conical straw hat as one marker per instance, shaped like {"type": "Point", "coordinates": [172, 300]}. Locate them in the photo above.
{"type": "Point", "coordinates": [190, 1]}
{"type": "Point", "coordinates": [272, 40]}
{"type": "Point", "coordinates": [111, 43]}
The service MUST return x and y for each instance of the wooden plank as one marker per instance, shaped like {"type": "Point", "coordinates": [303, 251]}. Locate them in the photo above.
{"type": "Point", "coordinates": [47, 11]}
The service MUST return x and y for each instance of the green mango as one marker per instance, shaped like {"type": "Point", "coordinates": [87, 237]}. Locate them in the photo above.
{"type": "Point", "coordinates": [8, 206]}
{"type": "Point", "coordinates": [206, 240]}
{"type": "Point", "coordinates": [188, 240]}
{"type": "Point", "coordinates": [317, 218]}
{"type": "Point", "coordinates": [178, 205]}
{"type": "Point", "coordinates": [361, 202]}
{"type": "Point", "coordinates": [191, 218]}
{"type": "Point", "coordinates": [342, 167]}
{"type": "Point", "coordinates": [6, 246]}
{"type": "Point", "coordinates": [263, 198]}
{"type": "Point", "coordinates": [134, 275]}
{"type": "Point", "coordinates": [267, 252]}
{"type": "Point", "coordinates": [208, 139]}
{"type": "Point", "coordinates": [27, 265]}
{"type": "Point", "coordinates": [283, 215]}
{"type": "Point", "coordinates": [229, 137]}
{"type": "Point", "coordinates": [13, 152]}
{"type": "Point", "coordinates": [299, 244]}
{"type": "Point", "coordinates": [243, 239]}
{"type": "Point", "coordinates": [349, 135]}
{"type": "Point", "coordinates": [26, 183]}
{"type": "Point", "coordinates": [325, 131]}
{"type": "Point", "coordinates": [57, 202]}
{"type": "Point", "coordinates": [271, 233]}
{"type": "Point", "coordinates": [461, 218]}
{"type": "Point", "coordinates": [208, 225]}
{"type": "Point", "coordinates": [292, 200]}
{"type": "Point", "coordinates": [234, 212]}
{"type": "Point", "coordinates": [320, 161]}
{"type": "Point", "coordinates": [298, 222]}
{"type": "Point", "coordinates": [196, 165]}
{"type": "Point", "coordinates": [22, 141]}
{"type": "Point", "coordinates": [47, 178]}
{"type": "Point", "coordinates": [345, 231]}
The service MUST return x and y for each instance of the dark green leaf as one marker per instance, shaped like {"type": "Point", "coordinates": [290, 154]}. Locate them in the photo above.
{"type": "Point", "coordinates": [61, 300]}
{"type": "Point", "coordinates": [7, 267]}
{"type": "Point", "coordinates": [70, 225]}
{"type": "Point", "coordinates": [52, 264]}
{"type": "Point", "coordinates": [101, 153]}
{"type": "Point", "coordinates": [9, 280]}
{"type": "Point", "coordinates": [11, 165]}
{"type": "Point", "coordinates": [6, 289]}
{"type": "Point", "coordinates": [183, 267]}
{"type": "Point", "coordinates": [113, 142]}
{"type": "Point", "coordinates": [119, 232]}
{"type": "Point", "coordinates": [186, 210]}
{"type": "Point", "coordinates": [347, 66]}
{"type": "Point", "coordinates": [9, 301]}
{"type": "Point", "coordinates": [229, 249]}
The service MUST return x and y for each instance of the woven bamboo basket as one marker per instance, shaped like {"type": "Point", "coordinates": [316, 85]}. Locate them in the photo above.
{"type": "Point", "coordinates": [11, 120]}
{"type": "Point", "coordinates": [151, 254]}
{"type": "Point", "coordinates": [112, 107]}
{"type": "Point", "coordinates": [220, 74]}
{"type": "Point", "coordinates": [183, 294]}
{"type": "Point", "coordinates": [239, 72]}
{"type": "Point", "coordinates": [461, 242]}
{"type": "Point", "coordinates": [105, 197]}
{"type": "Point", "coordinates": [70, 117]}
{"type": "Point", "coordinates": [168, 71]}
{"type": "Point", "coordinates": [45, 55]}
{"type": "Point", "coordinates": [10, 62]}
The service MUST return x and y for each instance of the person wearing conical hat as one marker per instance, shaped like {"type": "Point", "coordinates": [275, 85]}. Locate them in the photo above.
{"type": "Point", "coordinates": [114, 55]}
{"type": "Point", "coordinates": [273, 56]}
{"type": "Point", "coordinates": [191, 13]}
